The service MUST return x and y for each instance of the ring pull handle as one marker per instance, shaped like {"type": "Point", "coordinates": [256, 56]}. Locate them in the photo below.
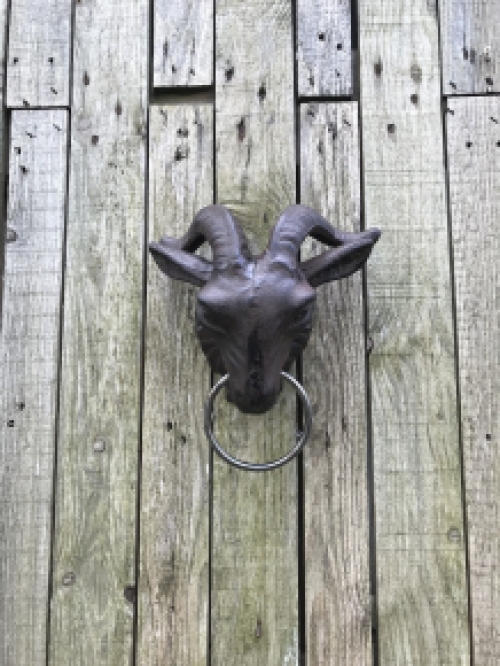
{"type": "Point", "coordinates": [273, 464]}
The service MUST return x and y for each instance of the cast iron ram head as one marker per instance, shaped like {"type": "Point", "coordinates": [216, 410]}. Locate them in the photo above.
{"type": "Point", "coordinates": [254, 313]}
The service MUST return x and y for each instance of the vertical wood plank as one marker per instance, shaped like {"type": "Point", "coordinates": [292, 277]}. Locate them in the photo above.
{"type": "Point", "coordinates": [470, 46]}
{"type": "Point", "coordinates": [174, 574]}
{"type": "Point", "coordinates": [422, 593]}
{"type": "Point", "coordinates": [254, 552]}
{"type": "Point", "coordinates": [3, 142]}
{"type": "Point", "coordinates": [473, 132]}
{"type": "Point", "coordinates": [324, 56]}
{"type": "Point", "coordinates": [39, 53]}
{"type": "Point", "coordinates": [338, 605]}
{"type": "Point", "coordinates": [183, 43]}
{"type": "Point", "coordinates": [94, 561]}
{"type": "Point", "coordinates": [29, 345]}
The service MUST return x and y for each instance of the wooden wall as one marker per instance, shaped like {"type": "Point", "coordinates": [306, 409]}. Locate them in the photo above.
{"type": "Point", "coordinates": [123, 540]}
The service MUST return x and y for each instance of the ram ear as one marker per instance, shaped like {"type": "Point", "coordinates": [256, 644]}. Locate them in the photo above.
{"type": "Point", "coordinates": [341, 261]}
{"type": "Point", "coordinates": [179, 264]}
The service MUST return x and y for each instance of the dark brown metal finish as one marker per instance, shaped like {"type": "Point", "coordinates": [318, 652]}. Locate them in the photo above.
{"type": "Point", "coordinates": [254, 313]}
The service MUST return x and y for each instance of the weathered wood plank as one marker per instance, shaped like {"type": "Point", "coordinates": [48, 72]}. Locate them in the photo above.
{"type": "Point", "coordinates": [183, 43]}
{"type": "Point", "coordinates": [337, 582]}
{"type": "Point", "coordinates": [324, 57]}
{"type": "Point", "coordinates": [94, 561]}
{"type": "Point", "coordinates": [254, 554]}
{"type": "Point", "coordinates": [39, 53]}
{"type": "Point", "coordinates": [174, 574]}
{"type": "Point", "coordinates": [474, 164]}
{"type": "Point", "coordinates": [470, 46]}
{"type": "Point", "coordinates": [422, 593]}
{"type": "Point", "coordinates": [3, 141]}
{"type": "Point", "coordinates": [29, 345]}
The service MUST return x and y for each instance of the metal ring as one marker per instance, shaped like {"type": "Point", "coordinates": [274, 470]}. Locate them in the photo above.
{"type": "Point", "coordinates": [259, 467]}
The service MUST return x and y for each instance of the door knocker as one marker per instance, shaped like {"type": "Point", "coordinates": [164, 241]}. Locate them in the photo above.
{"type": "Point", "coordinates": [254, 313]}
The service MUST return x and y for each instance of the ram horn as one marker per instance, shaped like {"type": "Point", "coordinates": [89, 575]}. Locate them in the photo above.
{"type": "Point", "coordinates": [294, 225]}
{"type": "Point", "coordinates": [216, 226]}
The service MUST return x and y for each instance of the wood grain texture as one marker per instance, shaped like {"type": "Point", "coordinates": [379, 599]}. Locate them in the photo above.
{"type": "Point", "coordinates": [183, 43]}
{"type": "Point", "coordinates": [174, 560]}
{"type": "Point", "coordinates": [470, 46]}
{"type": "Point", "coordinates": [473, 132]}
{"type": "Point", "coordinates": [3, 141]}
{"type": "Point", "coordinates": [39, 58]}
{"type": "Point", "coordinates": [29, 345]}
{"type": "Point", "coordinates": [254, 548]}
{"type": "Point", "coordinates": [422, 592]}
{"type": "Point", "coordinates": [94, 561]}
{"type": "Point", "coordinates": [324, 57]}
{"type": "Point", "coordinates": [338, 604]}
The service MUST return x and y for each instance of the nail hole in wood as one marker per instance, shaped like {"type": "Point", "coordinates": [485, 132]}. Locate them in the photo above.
{"type": "Point", "coordinates": [68, 579]}
{"type": "Point", "coordinates": [339, 47]}
{"type": "Point", "coordinates": [391, 128]}
{"type": "Point", "coordinates": [17, 151]}
{"type": "Point", "coordinates": [414, 99]}
{"type": "Point", "coordinates": [489, 81]}
{"type": "Point", "coordinates": [377, 67]}
{"type": "Point", "coordinates": [86, 79]}
{"type": "Point", "coordinates": [262, 93]}
{"type": "Point", "coordinates": [488, 436]}
{"type": "Point", "coordinates": [130, 594]}
{"type": "Point", "coordinates": [321, 36]}
{"type": "Point", "coordinates": [15, 60]}
{"type": "Point", "coordinates": [468, 144]}
{"type": "Point", "coordinates": [10, 423]}
{"type": "Point", "coordinates": [11, 235]}
{"type": "Point", "coordinates": [169, 425]}
{"type": "Point", "coordinates": [95, 139]}
{"type": "Point", "coordinates": [241, 129]}
{"type": "Point", "coordinates": [229, 73]}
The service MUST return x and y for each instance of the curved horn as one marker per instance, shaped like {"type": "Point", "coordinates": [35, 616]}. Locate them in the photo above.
{"type": "Point", "coordinates": [217, 226]}
{"type": "Point", "coordinates": [292, 228]}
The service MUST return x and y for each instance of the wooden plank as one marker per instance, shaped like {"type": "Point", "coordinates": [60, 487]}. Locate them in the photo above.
{"type": "Point", "coordinates": [324, 56]}
{"type": "Point", "coordinates": [337, 579]}
{"type": "Point", "coordinates": [183, 43]}
{"type": "Point", "coordinates": [3, 142]}
{"type": "Point", "coordinates": [254, 549]}
{"type": "Point", "coordinates": [174, 560]}
{"type": "Point", "coordinates": [29, 345]}
{"type": "Point", "coordinates": [470, 46]}
{"type": "Point", "coordinates": [474, 163]}
{"type": "Point", "coordinates": [421, 580]}
{"type": "Point", "coordinates": [39, 53]}
{"type": "Point", "coordinates": [92, 608]}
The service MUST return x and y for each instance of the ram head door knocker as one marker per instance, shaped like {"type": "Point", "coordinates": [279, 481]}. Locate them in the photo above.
{"type": "Point", "coordinates": [254, 313]}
